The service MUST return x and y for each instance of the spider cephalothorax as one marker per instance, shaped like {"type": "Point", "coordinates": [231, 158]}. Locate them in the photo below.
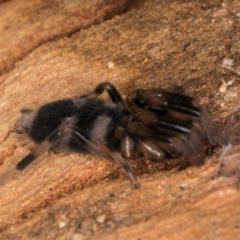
{"type": "Point", "coordinates": [172, 123]}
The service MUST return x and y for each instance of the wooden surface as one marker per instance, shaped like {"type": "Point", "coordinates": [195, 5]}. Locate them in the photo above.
{"type": "Point", "coordinates": [45, 56]}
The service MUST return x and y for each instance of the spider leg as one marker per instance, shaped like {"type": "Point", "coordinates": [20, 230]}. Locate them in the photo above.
{"type": "Point", "coordinates": [184, 136]}
{"type": "Point", "coordinates": [213, 133]}
{"type": "Point", "coordinates": [146, 141]}
{"type": "Point", "coordinates": [98, 148]}
{"type": "Point", "coordinates": [124, 142]}
{"type": "Point", "coordinates": [151, 149]}
{"type": "Point", "coordinates": [124, 164]}
{"type": "Point", "coordinates": [92, 145]}
{"type": "Point", "coordinates": [153, 140]}
{"type": "Point", "coordinates": [190, 146]}
{"type": "Point", "coordinates": [43, 147]}
{"type": "Point", "coordinates": [180, 107]}
{"type": "Point", "coordinates": [161, 101]}
{"type": "Point", "coordinates": [112, 92]}
{"type": "Point", "coordinates": [168, 124]}
{"type": "Point", "coordinates": [181, 89]}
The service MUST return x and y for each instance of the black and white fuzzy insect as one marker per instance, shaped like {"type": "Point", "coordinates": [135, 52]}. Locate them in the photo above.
{"type": "Point", "coordinates": [171, 123]}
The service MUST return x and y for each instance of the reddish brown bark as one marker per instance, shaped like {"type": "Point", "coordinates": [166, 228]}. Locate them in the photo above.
{"type": "Point", "coordinates": [75, 196]}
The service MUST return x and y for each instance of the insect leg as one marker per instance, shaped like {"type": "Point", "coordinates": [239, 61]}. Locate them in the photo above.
{"type": "Point", "coordinates": [161, 101]}
{"type": "Point", "coordinates": [145, 140]}
{"type": "Point", "coordinates": [212, 131]}
{"type": "Point", "coordinates": [124, 164]}
{"type": "Point", "coordinates": [43, 147]}
{"type": "Point", "coordinates": [154, 141]}
{"type": "Point", "coordinates": [181, 88]}
{"type": "Point", "coordinates": [112, 92]}
{"type": "Point", "coordinates": [96, 147]}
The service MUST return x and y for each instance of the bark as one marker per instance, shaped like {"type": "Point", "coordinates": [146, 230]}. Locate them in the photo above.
{"type": "Point", "coordinates": [153, 44]}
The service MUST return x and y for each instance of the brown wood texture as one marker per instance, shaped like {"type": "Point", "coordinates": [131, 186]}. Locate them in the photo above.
{"type": "Point", "coordinates": [45, 56]}
{"type": "Point", "coordinates": [26, 25]}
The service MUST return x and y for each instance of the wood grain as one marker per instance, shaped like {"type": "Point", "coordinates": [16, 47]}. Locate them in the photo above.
{"type": "Point", "coordinates": [153, 44]}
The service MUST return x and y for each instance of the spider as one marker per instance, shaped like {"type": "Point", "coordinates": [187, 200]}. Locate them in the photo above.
{"type": "Point", "coordinates": [172, 123]}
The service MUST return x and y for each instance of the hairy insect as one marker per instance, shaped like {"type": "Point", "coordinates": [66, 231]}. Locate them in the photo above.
{"type": "Point", "coordinates": [171, 123]}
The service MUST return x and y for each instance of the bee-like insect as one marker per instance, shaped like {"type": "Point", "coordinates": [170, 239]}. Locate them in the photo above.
{"type": "Point", "coordinates": [172, 123]}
